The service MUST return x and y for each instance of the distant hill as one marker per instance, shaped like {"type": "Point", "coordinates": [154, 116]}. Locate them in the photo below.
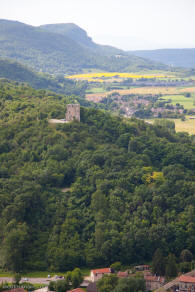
{"type": "Point", "coordinates": [51, 52]}
{"type": "Point", "coordinates": [174, 57]}
{"type": "Point", "coordinates": [80, 36]}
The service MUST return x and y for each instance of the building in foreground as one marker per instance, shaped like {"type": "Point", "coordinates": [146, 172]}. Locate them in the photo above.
{"type": "Point", "coordinates": [154, 282]}
{"type": "Point", "coordinates": [98, 274]}
{"type": "Point", "coordinates": [186, 283]}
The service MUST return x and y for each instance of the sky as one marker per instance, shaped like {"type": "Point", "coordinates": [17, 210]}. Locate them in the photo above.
{"type": "Point", "coordinates": [126, 24]}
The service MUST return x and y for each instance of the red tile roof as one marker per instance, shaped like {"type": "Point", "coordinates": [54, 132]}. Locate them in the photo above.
{"type": "Point", "coordinates": [147, 273]}
{"type": "Point", "coordinates": [122, 274]}
{"type": "Point", "coordinates": [187, 279]}
{"type": "Point", "coordinates": [154, 279]}
{"type": "Point", "coordinates": [102, 271]}
{"type": "Point", "coordinates": [76, 290]}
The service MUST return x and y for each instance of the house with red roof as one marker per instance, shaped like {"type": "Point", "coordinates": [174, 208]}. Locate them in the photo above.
{"type": "Point", "coordinates": [122, 274]}
{"type": "Point", "coordinates": [186, 283]}
{"type": "Point", "coordinates": [98, 273]}
{"type": "Point", "coordinates": [153, 282]}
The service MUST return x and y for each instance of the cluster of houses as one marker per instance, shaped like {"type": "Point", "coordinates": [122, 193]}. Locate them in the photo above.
{"type": "Point", "coordinates": [184, 283]}
{"type": "Point", "coordinates": [152, 282]}
{"type": "Point", "coordinates": [129, 105]}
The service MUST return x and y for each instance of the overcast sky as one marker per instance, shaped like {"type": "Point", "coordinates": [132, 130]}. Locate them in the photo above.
{"type": "Point", "coordinates": [127, 24]}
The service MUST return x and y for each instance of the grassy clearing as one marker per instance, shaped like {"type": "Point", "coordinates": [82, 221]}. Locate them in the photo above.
{"type": "Point", "coordinates": [187, 102]}
{"type": "Point", "coordinates": [181, 126]}
{"type": "Point", "coordinates": [36, 274]}
{"type": "Point", "coordinates": [42, 274]}
{"type": "Point", "coordinates": [6, 274]}
{"type": "Point", "coordinates": [96, 90]}
{"type": "Point", "coordinates": [186, 126]}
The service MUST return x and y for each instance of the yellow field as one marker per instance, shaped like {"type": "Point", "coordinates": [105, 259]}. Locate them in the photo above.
{"type": "Point", "coordinates": [100, 77]}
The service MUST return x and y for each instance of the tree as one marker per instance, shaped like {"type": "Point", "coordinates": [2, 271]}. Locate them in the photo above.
{"type": "Point", "coordinates": [169, 125]}
{"type": "Point", "coordinates": [116, 266]}
{"type": "Point", "coordinates": [186, 255]}
{"type": "Point", "coordinates": [17, 278]}
{"type": "Point", "coordinates": [52, 285]}
{"type": "Point", "coordinates": [59, 286]}
{"type": "Point", "coordinates": [62, 286]}
{"type": "Point", "coordinates": [184, 267]}
{"type": "Point", "coordinates": [76, 277]}
{"type": "Point", "coordinates": [158, 263]}
{"type": "Point", "coordinates": [107, 283]}
{"type": "Point", "coordinates": [171, 266]}
{"type": "Point", "coordinates": [15, 247]}
{"type": "Point", "coordinates": [132, 284]}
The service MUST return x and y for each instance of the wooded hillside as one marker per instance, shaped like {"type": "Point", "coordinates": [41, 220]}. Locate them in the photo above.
{"type": "Point", "coordinates": [89, 193]}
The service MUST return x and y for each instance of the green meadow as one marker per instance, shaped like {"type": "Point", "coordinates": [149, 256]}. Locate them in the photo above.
{"type": "Point", "coordinates": [187, 102]}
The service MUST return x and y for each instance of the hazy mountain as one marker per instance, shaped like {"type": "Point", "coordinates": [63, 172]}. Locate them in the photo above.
{"type": "Point", "coordinates": [173, 57]}
{"type": "Point", "coordinates": [58, 53]}
{"type": "Point", "coordinates": [79, 35]}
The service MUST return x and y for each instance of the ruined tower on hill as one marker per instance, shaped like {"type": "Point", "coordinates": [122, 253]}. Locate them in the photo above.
{"type": "Point", "coordinates": [73, 112]}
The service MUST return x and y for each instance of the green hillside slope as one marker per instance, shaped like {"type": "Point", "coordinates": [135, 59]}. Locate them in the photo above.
{"type": "Point", "coordinates": [55, 53]}
{"type": "Point", "coordinates": [174, 57]}
{"type": "Point", "coordinates": [12, 70]}
{"type": "Point", "coordinates": [89, 193]}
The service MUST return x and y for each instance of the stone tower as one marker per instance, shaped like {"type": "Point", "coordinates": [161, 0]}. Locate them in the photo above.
{"type": "Point", "coordinates": [73, 112]}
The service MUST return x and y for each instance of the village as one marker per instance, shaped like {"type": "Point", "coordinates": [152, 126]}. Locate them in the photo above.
{"type": "Point", "coordinates": [182, 283]}
{"type": "Point", "coordinates": [143, 106]}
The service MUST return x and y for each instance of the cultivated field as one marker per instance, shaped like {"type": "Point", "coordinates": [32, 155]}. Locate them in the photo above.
{"type": "Point", "coordinates": [176, 94]}
{"type": "Point", "coordinates": [187, 102]}
{"type": "Point", "coordinates": [96, 97]}
{"type": "Point", "coordinates": [115, 76]}
{"type": "Point", "coordinates": [169, 93]}
{"type": "Point", "coordinates": [182, 126]}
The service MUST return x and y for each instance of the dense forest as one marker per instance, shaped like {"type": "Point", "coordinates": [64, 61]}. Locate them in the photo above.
{"type": "Point", "coordinates": [92, 193]}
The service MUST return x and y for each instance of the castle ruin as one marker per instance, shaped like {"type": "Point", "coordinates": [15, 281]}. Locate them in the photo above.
{"type": "Point", "coordinates": [72, 112]}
